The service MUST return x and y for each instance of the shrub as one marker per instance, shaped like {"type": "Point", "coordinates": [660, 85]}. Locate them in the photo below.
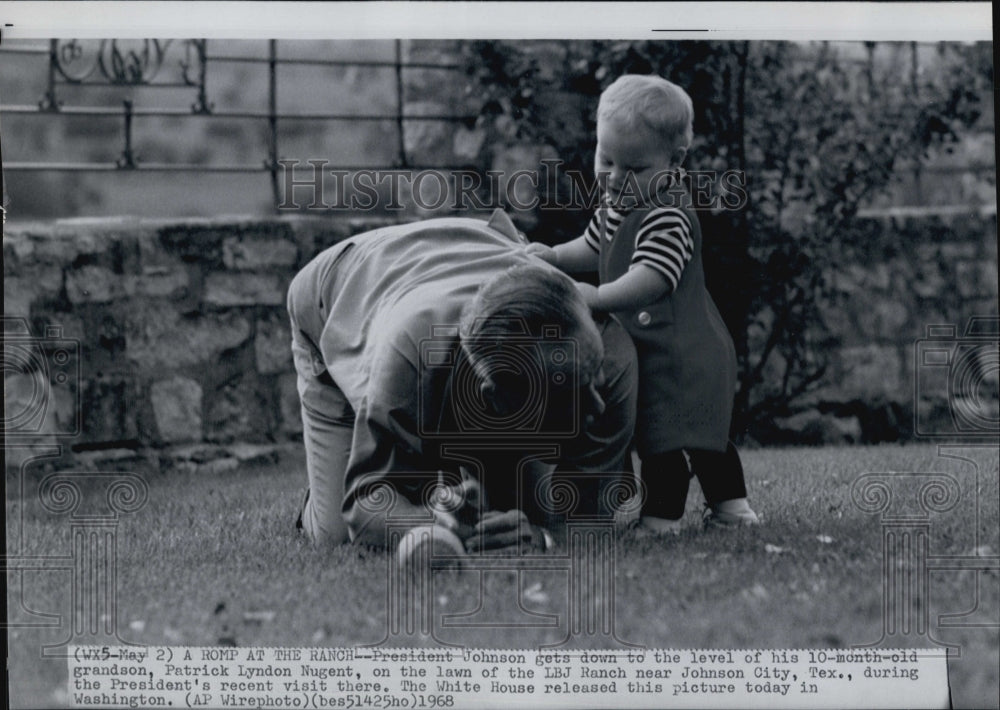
{"type": "Point", "coordinates": [816, 133]}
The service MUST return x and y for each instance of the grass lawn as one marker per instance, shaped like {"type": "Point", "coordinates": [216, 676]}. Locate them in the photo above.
{"type": "Point", "coordinates": [215, 559]}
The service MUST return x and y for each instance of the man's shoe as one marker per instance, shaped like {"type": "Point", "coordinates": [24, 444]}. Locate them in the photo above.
{"type": "Point", "coordinates": [715, 518]}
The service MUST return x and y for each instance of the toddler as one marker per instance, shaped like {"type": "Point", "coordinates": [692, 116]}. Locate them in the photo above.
{"type": "Point", "coordinates": [647, 252]}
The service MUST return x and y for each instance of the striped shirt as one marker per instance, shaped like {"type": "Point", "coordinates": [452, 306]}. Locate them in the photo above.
{"type": "Point", "coordinates": [663, 241]}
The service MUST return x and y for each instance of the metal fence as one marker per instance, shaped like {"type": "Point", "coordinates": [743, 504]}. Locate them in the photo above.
{"type": "Point", "coordinates": [74, 65]}
{"type": "Point", "coordinates": [141, 64]}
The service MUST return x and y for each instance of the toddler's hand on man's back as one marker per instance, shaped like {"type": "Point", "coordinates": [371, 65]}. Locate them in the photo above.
{"type": "Point", "coordinates": [589, 293]}
{"type": "Point", "coordinates": [542, 251]}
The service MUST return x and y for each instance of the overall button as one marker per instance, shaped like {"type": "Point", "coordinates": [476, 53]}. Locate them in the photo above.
{"type": "Point", "coordinates": [644, 318]}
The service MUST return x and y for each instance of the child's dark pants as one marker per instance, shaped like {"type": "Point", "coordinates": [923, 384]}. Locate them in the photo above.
{"type": "Point", "coordinates": [667, 476]}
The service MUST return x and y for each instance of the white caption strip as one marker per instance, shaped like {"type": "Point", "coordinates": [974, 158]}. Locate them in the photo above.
{"type": "Point", "coordinates": [140, 677]}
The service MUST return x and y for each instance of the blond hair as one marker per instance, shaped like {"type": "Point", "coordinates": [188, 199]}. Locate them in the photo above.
{"type": "Point", "coordinates": [652, 102]}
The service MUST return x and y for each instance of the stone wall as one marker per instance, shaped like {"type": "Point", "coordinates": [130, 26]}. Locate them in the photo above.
{"type": "Point", "coordinates": [155, 334]}
{"type": "Point", "coordinates": [180, 336]}
{"type": "Point", "coordinates": [902, 273]}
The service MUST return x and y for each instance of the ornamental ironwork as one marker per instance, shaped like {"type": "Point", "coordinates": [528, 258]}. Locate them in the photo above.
{"type": "Point", "coordinates": [130, 64]}
{"type": "Point", "coordinates": [115, 62]}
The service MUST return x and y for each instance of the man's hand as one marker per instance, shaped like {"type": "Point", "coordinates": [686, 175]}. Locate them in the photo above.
{"type": "Point", "coordinates": [506, 533]}
{"type": "Point", "coordinates": [456, 508]}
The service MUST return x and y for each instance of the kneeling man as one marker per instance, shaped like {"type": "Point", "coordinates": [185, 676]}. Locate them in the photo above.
{"type": "Point", "coordinates": [443, 352]}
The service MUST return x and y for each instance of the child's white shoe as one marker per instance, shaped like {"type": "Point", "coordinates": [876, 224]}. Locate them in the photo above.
{"type": "Point", "coordinates": [649, 526]}
{"type": "Point", "coordinates": [729, 514]}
